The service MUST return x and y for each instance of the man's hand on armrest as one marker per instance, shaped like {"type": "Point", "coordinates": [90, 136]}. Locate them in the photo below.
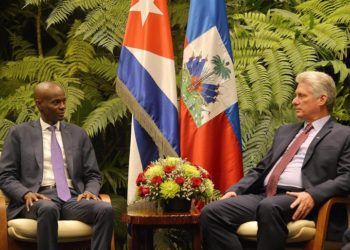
{"type": "Point", "coordinates": [87, 195]}
{"type": "Point", "coordinates": [304, 203]}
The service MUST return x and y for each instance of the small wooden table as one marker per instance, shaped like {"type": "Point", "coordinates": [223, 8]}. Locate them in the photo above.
{"type": "Point", "coordinates": [147, 221]}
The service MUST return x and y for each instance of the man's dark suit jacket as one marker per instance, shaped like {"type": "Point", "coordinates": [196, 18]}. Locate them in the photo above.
{"type": "Point", "coordinates": [325, 171]}
{"type": "Point", "coordinates": [21, 162]}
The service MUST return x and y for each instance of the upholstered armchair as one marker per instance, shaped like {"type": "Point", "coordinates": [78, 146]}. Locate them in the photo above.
{"type": "Point", "coordinates": [314, 235]}
{"type": "Point", "coordinates": [21, 233]}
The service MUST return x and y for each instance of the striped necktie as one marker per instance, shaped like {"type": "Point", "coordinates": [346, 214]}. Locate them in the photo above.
{"type": "Point", "coordinates": [288, 155]}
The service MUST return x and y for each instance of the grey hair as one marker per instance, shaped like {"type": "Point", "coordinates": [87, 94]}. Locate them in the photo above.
{"type": "Point", "coordinates": [321, 84]}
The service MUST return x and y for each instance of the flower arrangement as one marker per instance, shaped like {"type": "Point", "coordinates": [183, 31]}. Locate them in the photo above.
{"type": "Point", "coordinates": [174, 177]}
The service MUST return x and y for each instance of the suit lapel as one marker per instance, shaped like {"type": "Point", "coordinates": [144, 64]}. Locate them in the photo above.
{"type": "Point", "coordinates": [67, 145]}
{"type": "Point", "coordinates": [286, 140]}
{"type": "Point", "coordinates": [37, 143]}
{"type": "Point", "coordinates": [320, 135]}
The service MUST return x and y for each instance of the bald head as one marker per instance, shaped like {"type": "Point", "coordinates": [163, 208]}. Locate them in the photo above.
{"type": "Point", "coordinates": [51, 101]}
{"type": "Point", "coordinates": [41, 89]}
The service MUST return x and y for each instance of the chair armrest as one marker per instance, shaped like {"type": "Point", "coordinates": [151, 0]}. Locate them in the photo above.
{"type": "Point", "coordinates": [322, 221]}
{"type": "Point", "coordinates": [105, 197]}
{"type": "Point", "coordinates": [3, 224]}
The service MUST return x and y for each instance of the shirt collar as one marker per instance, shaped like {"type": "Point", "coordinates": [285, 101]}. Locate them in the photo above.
{"type": "Point", "coordinates": [318, 124]}
{"type": "Point", "coordinates": [45, 126]}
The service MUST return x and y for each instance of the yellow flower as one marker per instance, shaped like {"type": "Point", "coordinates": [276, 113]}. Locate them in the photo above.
{"type": "Point", "coordinates": [190, 171]}
{"type": "Point", "coordinates": [169, 189]}
{"type": "Point", "coordinates": [172, 160]}
{"type": "Point", "coordinates": [209, 187]}
{"type": "Point", "coordinates": [155, 170]}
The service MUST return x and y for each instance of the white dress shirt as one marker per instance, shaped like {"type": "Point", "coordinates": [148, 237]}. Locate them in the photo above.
{"type": "Point", "coordinates": [291, 176]}
{"type": "Point", "coordinates": [48, 176]}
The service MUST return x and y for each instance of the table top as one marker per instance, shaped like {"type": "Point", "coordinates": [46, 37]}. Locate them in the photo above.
{"type": "Point", "coordinates": [147, 217]}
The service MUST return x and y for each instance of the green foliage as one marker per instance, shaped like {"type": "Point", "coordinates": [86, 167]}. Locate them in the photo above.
{"type": "Point", "coordinates": [108, 112]}
{"type": "Point", "coordinates": [270, 49]}
{"type": "Point", "coordinates": [79, 53]}
{"type": "Point", "coordinates": [120, 231]}
{"type": "Point", "coordinates": [21, 48]}
{"type": "Point", "coordinates": [104, 23]}
{"type": "Point", "coordinates": [104, 68]}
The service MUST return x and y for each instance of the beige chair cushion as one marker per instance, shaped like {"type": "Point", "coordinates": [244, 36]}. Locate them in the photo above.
{"type": "Point", "coordinates": [300, 230]}
{"type": "Point", "coordinates": [68, 230]}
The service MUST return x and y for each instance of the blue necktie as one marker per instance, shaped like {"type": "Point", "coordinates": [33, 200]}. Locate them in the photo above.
{"type": "Point", "coordinates": [58, 167]}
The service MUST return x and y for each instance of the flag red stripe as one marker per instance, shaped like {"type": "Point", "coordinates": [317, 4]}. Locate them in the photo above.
{"type": "Point", "coordinates": [213, 146]}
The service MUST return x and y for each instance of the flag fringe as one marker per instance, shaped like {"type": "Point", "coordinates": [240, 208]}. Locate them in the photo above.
{"type": "Point", "coordinates": [164, 147]}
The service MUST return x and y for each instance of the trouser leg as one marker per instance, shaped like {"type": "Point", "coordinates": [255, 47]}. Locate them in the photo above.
{"type": "Point", "coordinates": [47, 214]}
{"type": "Point", "coordinates": [220, 220]}
{"type": "Point", "coordinates": [99, 214]}
{"type": "Point", "coordinates": [273, 215]}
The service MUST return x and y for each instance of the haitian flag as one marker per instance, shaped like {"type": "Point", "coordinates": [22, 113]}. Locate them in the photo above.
{"type": "Point", "coordinates": [147, 85]}
{"type": "Point", "coordinates": [209, 118]}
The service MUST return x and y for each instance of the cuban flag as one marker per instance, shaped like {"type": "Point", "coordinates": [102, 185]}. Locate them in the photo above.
{"type": "Point", "coordinates": [146, 83]}
{"type": "Point", "coordinates": [209, 118]}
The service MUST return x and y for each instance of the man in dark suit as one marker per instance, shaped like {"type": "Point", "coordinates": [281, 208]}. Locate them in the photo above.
{"type": "Point", "coordinates": [286, 186]}
{"type": "Point", "coordinates": [48, 169]}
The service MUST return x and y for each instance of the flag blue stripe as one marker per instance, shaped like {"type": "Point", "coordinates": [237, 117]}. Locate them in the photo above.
{"type": "Point", "coordinates": [205, 14]}
{"type": "Point", "coordinates": [147, 149]}
{"type": "Point", "coordinates": [149, 96]}
{"type": "Point", "coordinates": [232, 114]}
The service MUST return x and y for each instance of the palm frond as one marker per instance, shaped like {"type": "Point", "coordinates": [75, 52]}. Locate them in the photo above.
{"type": "Point", "coordinates": [301, 56]}
{"type": "Point", "coordinates": [339, 110]}
{"type": "Point", "coordinates": [330, 37]}
{"type": "Point", "coordinates": [104, 68]}
{"type": "Point", "coordinates": [108, 112]}
{"type": "Point", "coordinates": [104, 26]}
{"type": "Point", "coordinates": [5, 126]}
{"type": "Point", "coordinates": [61, 12]}
{"type": "Point", "coordinates": [24, 70]}
{"type": "Point", "coordinates": [261, 87]}
{"type": "Point", "coordinates": [340, 15]}
{"type": "Point", "coordinates": [258, 141]}
{"type": "Point", "coordinates": [178, 14]}
{"type": "Point", "coordinates": [318, 8]}
{"type": "Point", "coordinates": [79, 53]}
{"type": "Point", "coordinates": [49, 67]}
{"type": "Point", "coordinates": [119, 205]}
{"type": "Point", "coordinates": [66, 7]}
{"type": "Point", "coordinates": [35, 2]}
{"type": "Point", "coordinates": [20, 105]}
{"type": "Point", "coordinates": [287, 15]}
{"type": "Point", "coordinates": [280, 75]}
{"type": "Point", "coordinates": [21, 48]}
{"type": "Point", "coordinates": [74, 98]}
{"type": "Point", "coordinates": [115, 177]}
{"type": "Point", "coordinates": [339, 67]}
{"type": "Point", "coordinates": [244, 93]}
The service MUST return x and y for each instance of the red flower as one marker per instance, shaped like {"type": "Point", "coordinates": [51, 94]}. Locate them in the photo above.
{"type": "Point", "coordinates": [140, 179]}
{"type": "Point", "coordinates": [157, 180]}
{"type": "Point", "coordinates": [143, 191]}
{"type": "Point", "coordinates": [169, 169]}
{"type": "Point", "coordinates": [196, 182]}
{"type": "Point", "coordinates": [179, 180]}
{"type": "Point", "coordinates": [205, 175]}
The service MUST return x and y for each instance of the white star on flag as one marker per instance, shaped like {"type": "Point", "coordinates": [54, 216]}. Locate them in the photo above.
{"type": "Point", "coordinates": [145, 7]}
